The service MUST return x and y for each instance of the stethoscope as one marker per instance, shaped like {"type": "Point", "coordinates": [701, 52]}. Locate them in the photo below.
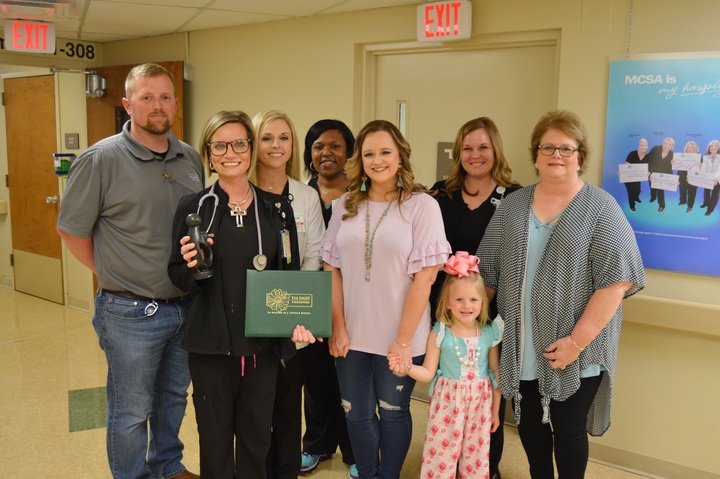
{"type": "Point", "coordinates": [260, 260]}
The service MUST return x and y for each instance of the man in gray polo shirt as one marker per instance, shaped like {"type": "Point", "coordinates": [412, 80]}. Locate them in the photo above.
{"type": "Point", "coordinates": [116, 218]}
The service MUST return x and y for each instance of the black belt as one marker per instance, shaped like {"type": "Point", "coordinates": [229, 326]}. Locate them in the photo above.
{"type": "Point", "coordinates": [129, 295]}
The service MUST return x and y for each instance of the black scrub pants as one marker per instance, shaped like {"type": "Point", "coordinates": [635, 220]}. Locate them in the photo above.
{"type": "Point", "coordinates": [284, 457]}
{"type": "Point", "coordinates": [234, 408]}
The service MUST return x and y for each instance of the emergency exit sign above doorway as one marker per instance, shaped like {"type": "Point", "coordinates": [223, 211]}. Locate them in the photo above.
{"type": "Point", "coordinates": [444, 21]}
{"type": "Point", "coordinates": [30, 37]}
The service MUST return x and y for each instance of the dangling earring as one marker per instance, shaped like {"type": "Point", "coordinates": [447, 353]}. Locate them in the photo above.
{"type": "Point", "coordinates": [363, 186]}
{"type": "Point", "coordinates": [211, 167]}
{"type": "Point", "coordinates": [399, 183]}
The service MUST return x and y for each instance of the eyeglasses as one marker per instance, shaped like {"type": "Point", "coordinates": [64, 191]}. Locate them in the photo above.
{"type": "Point", "coordinates": [564, 150]}
{"type": "Point", "coordinates": [219, 148]}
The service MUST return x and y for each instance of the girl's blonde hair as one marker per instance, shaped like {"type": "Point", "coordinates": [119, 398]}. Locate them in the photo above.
{"type": "Point", "coordinates": [443, 313]}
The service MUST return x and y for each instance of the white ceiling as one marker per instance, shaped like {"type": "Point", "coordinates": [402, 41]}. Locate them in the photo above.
{"type": "Point", "coordinates": [111, 20]}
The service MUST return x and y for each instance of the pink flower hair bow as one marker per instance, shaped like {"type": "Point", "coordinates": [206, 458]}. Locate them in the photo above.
{"type": "Point", "coordinates": [461, 264]}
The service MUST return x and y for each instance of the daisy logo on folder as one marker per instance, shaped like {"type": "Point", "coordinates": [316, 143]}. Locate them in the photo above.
{"type": "Point", "coordinates": [277, 301]}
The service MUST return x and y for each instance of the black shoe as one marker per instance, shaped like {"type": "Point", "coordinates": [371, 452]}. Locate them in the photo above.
{"type": "Point", "coordinates": [652, 200]}
{"type": "Point", "coordinates": [682, 203]}
{"type": "Point", "coordinates": [632, 208]}
{"type": "Point", "coordinates": [638, 200]}
{"type": "Point", "coordinates": [708, 212]}
{"type": "Point", "coordinates": [703, 205]}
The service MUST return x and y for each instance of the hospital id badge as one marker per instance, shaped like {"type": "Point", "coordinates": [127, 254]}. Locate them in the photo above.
{"type": "Point", "coordinates": [286, 249]}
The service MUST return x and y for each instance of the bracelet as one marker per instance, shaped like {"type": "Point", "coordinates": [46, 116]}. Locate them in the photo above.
{"type": "Point", "coordinates": [402, 344]}
{"type": "Point", "coordinates": [575, 344]}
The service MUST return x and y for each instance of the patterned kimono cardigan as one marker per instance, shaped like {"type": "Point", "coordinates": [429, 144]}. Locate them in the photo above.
{"type": "Point", "coordinates": [591, 247]}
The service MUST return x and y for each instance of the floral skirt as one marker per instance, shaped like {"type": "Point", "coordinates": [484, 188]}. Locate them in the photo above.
{"type": "Point", "coordinates": [457, 440]}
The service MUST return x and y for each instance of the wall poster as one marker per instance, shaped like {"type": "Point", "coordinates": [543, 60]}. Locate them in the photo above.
{"type": "Point", "coordinates": [662, 162]}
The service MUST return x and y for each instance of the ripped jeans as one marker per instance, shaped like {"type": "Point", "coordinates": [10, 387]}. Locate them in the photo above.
{"type": "Point", "coordinates": [377, 408]}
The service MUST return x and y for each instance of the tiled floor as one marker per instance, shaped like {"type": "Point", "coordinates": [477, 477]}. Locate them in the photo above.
{"type": "Point", "coordinates": [50, 361]}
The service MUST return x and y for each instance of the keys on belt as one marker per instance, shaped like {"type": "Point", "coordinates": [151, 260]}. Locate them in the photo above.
{"type": "Point", "coordinates": [152, 305]}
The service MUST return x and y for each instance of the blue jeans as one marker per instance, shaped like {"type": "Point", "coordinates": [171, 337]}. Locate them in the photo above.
{"type": "Point", "coordinates": [377, 407]}
{"type": "Point", "coordinates": [147, 384]}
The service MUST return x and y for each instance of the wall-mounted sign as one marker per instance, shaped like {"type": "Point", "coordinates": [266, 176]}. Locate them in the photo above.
{"type": "Point", "coordinates": [443, 21]}
{"type": "Point", "coordinates": [30, 37]}
{"type": "Point", "coordinates": [671, 100]}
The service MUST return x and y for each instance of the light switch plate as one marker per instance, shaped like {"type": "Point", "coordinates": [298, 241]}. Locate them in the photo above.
{"type": "Point", "coordinates": [72, 141]}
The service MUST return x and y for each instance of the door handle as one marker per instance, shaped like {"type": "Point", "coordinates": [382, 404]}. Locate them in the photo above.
{"type": "Point", "coordinates": [51, 200]}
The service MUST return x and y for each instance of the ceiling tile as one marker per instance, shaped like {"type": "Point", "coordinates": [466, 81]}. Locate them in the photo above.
{"type": "Point", "coordinates": [294, 8]}
{"type": "Point", "coordinates": [165, 3]}
{"type": "Point", "coordinates": [139, 20]}
{"type": "Point", "coordinates": [209, 19]}
{"type": "Point", "coordinates": [355, 5]}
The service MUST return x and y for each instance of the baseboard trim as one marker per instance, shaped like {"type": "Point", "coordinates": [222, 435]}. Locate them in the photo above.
{"type": "Point", "coordinates": [6, 280]}
{"type": "Point", "coordinates": [77, 303]}
{"type": "Point", "coordinates": [644, 465]}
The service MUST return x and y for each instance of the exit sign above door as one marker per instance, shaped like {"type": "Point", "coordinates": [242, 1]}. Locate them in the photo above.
{"type": "Point", "coordinates": [443, 21]}
{"type": "Point", "coordinates": [29, 37]}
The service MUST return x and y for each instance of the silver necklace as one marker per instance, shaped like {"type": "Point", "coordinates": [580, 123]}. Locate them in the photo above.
{"type": "Point", "coordinates": [370, 238]}
{"type": "Point", "coordinates": [237, 210]}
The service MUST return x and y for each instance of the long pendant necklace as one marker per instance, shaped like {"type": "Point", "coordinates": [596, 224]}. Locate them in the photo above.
{"type": "Point", "coordinates": [473, 354]}
{"type": "Point", "coordinates": [370, 238]}
{"type": "Point", "coordinates": [237, 210]}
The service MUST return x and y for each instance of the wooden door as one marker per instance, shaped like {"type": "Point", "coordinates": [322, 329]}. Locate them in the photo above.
{"type": "Point", "coordinates": [31, 141]}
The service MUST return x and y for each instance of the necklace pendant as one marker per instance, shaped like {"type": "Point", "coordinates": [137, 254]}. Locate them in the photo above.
{"type": "Point", "coordinates": [238, 213]}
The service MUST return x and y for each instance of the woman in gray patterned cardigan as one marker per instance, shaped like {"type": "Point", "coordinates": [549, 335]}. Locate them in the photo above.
{"type": "Point", "coordinates": [561, 257]}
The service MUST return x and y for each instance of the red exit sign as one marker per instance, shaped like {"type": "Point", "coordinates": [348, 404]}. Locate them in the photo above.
{"type": "Point", "coordinates": [442, 21]}
{"type": "Point", "coordinates": [30, 37]}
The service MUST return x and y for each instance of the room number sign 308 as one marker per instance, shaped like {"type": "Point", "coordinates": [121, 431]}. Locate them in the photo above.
{"type": "Point", "coordinates": [83, 51]}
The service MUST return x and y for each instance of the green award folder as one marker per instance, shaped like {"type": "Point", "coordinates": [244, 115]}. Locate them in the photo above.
{"type": "Point", "coordinates": [277, 301]}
